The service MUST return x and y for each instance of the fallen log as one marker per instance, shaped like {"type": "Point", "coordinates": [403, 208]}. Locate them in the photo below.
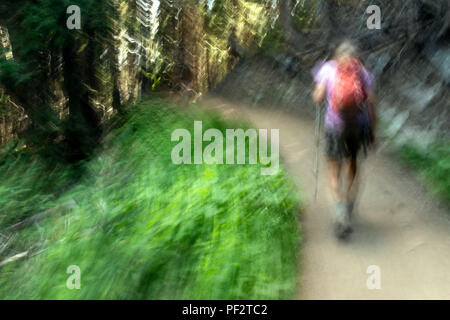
{"type": "Point", "coordinates": [16, 257]}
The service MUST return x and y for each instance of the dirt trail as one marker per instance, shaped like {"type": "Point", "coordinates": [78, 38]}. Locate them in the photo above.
{"type": "Point", "coordinates": [397, 226]}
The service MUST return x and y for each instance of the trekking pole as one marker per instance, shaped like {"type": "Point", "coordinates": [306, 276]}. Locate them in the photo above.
{"type": "Point", "coordinates": [316, 164]}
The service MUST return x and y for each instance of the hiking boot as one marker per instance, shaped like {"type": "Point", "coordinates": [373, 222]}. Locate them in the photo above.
{"type": "Point", "coordinates": [342, 226]}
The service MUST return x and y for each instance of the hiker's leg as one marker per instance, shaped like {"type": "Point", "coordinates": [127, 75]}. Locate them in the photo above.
{"type": "Point", "coordinates": [354, 142]}
{"type": "Point", "coordinates": [334, 162]}
{"type": "Point", "coordinates": [341, 224]}
{"type": "Point", "coordinates": [352, 183]}
{"type": "Point", "coordinates": [334, 172]}
{"type": "Point", "coordinates": [336, 153]}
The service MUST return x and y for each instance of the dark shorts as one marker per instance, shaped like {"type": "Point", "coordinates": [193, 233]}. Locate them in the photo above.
{"type": "Point", "coordinates": [346, 144]}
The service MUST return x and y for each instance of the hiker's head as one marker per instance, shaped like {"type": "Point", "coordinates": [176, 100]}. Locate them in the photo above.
{"type": "Point", "coordinates": [346, 49]}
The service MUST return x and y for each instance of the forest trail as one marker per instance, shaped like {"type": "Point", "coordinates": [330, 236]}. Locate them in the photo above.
{"type": "Point", "coordinates": [396, 225]}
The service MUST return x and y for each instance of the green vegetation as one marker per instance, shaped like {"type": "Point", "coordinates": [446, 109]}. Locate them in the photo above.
{"type": "Point", "coordinates": [273, 43]}
{"type": "Point", "coordinates": [28, 185]}
{"type": "Point", "coordinates": [145, 228]}
{"type": "Point", "coordinates": [433, 165]}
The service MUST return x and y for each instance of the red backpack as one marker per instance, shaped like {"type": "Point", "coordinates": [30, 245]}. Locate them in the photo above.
{"type": "Point", "coordinates": [349, 92]}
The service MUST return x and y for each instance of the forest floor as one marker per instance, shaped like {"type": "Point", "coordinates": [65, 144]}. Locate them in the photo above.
{"type": "Point", "coordinates": [397, 226]}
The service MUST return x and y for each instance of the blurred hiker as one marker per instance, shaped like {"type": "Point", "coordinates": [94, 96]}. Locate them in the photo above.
{"type": "Point", "coordinates": [349, 124]}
